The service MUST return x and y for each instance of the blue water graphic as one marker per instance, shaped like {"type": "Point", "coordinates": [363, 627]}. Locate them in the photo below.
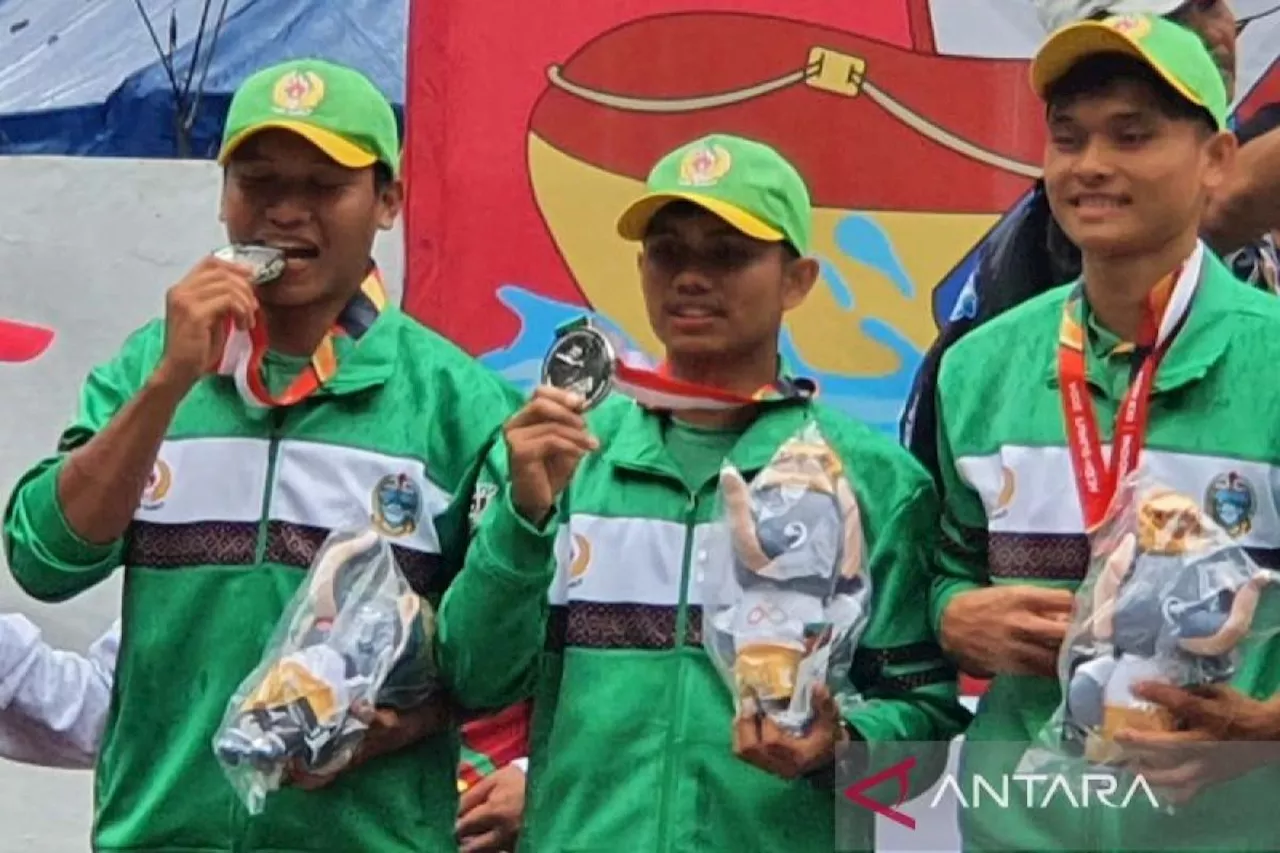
{"type": "Point", "coordinates": [875, 400]}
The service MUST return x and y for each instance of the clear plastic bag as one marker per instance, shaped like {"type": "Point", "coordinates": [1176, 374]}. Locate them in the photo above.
{"type": "Point", "coordinates": [355, 636]}
{"type": "Point", "coordinates": [784, 592]}
{"type": "Point", "coordinates": [1170, 596]}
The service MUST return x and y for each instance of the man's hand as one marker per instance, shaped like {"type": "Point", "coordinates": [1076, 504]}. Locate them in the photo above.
{"type": "Point", "coordinates": [1221, 734]}
{"type": "Point", "coordinates": [545, 441]}
{"type": "Point", "coordinates": [1010, 630]}
{"type": "Point", "coordinates": [759, 741]}
{"type": "Point", "coordinates": [196, 310]}
{"type": "Point", "coordinates": [389, 731]}
{"type": "Point", "coordinates": [490, 813]}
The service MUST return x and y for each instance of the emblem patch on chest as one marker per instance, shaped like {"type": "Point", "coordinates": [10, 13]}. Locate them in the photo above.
{"type": "Point", "coordinates": [396, 505]}
{"type": "Point", "coordinates": [158, 485]}
{"type": "Point", "coordinates": [1231, 502]}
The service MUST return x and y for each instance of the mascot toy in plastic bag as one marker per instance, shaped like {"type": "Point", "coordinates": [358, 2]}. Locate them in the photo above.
{"type": "Point", "coordinates": [1169, 597]}
{"type": "Point", "coordinates": [355, 636]}
{"type": "Point", "coordinates": [787, 588]}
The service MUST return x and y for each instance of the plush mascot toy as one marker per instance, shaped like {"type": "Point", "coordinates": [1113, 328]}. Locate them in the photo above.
{"type": "Point", "coordinates": [1167, 606]}
{"type": "Point", "coordinates": [797, 539]}
{"type": "Point", "coordinates": [342, 643]}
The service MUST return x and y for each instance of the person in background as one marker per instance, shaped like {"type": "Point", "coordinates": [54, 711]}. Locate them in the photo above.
{"type": "Point", "coordinates": [1028, 253]}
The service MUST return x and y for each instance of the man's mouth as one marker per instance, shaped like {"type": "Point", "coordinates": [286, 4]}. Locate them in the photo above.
{"type": "Point", "coordinates": [294, 250]}
{"type": "Point", "coordinates": [692, 312]}
{"type": "Point", "coordinates": [1098, 201]}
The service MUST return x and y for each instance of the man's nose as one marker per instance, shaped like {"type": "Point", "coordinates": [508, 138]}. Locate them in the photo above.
{"type": "Point", "coordinates": [1092, 163]}
{"type": "Point", "coordinates": [288, 211]}
{"type": "Point", "coordinates": [691, 282]}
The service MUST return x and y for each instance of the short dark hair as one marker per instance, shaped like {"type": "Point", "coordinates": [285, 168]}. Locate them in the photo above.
{"type": "Point", "coordinates": [382, 176]}
{"type": "Point", "coordinates": [1097, 74]}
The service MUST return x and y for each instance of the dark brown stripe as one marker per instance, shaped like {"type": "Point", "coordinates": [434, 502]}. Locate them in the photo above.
{"type": "Point", "coordinates": [1039, 556]}
{"type": "Point", "coordinates": [293, 544]}
{"type": "Point", "coordinates": [297, 544]}
{"type": "Point", "coordinates": [923, 651]}
{"type": "Point", "coordinates": [915, 680]}
{"type": "Point", "coordinates": [592, 625]}
{"type": "Point", "coordinates": [205, 543]}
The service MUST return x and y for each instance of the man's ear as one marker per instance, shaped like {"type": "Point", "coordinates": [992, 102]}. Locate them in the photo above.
{"type": "Point", "coordinates": [390, 203]}
{"type": "Point", "coordinates": [640, 261]}
{"type": "Point", "coordinates": [799, 278]}
{"type": "Point", "coordinates": [1220, 153]}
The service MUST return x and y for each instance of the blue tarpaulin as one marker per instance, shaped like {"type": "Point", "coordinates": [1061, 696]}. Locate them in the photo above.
{"type": "Point", "coordinates": [84, 77]}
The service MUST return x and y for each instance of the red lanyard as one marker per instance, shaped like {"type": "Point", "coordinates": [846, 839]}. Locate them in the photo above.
{"type": "Point", "coordinates": [244, 352]}
{"type": "Point", "coordinates": [1096, 479]}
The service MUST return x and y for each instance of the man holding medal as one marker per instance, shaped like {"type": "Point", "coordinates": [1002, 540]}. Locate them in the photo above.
{"type": "Point", "coordinates": [280, 398]}
{"type": "Point", "coordinates": [1152, 349]}
{"type": "Point", "coordinates": [634, 741]}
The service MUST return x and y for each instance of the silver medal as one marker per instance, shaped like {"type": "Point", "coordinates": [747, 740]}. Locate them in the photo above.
{"type": "Point", "coordinates": [581, 361]}
{"type": "Point", "coordinates": [268, 263]}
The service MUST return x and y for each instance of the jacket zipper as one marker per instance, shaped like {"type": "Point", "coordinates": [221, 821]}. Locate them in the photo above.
{"type": "Point", "coordinates": [273, 448]}
{"type": "Point", "coordinates": [277, 416]}
{"type": "Point", "coordinates": [677, 715]}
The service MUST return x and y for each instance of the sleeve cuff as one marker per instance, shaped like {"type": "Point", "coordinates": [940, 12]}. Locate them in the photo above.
{"type": "Point", "coordinates": [516, 545]}
{"type": "Point", "coordinates": [942, 596]}
{"type": "Point", "coordinates": [48, 523]}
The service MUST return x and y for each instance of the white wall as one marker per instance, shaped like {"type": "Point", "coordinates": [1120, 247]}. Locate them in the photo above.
{"type": "Point", "coordinates": [87, 248]}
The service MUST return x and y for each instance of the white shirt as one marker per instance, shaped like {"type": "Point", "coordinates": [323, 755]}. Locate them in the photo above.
{"type": "Point", "coordinates": [53, 704]}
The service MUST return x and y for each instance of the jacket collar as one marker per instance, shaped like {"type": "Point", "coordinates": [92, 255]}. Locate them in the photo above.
{"type": "Point", "coordinates": [1204, 336]}
{"type": "Point", "coordinates": [638, 445]}
{"type": "Point", "coordinates": [369, 362]}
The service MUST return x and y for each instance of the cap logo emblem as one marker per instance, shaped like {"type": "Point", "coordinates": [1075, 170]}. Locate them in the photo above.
{"type": "Point", "coordinates": [1133, 26]}
{"type": "Point", "coordinates": [704, 165]}
{"type": "Point", "coordinates": [298, 93]}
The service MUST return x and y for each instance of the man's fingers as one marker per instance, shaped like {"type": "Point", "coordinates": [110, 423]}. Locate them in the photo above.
{"type": "Point", "coordinates": [547, 445]}
{"type": "Point", "coordinates": [524, 438]}
{"type": "Point", "coordinates": [543, 409]}
{"type": "Point", "coordinates": [1046, 602]}
{"type": "Point", "coordinates": [567, 399]}
{"type": "Point", "coordinates": [1039, 631]}
{"type": "Point", "coordinates": [1184, 705]}
{"type": "Point", "coordinates": [1030, 659]}
{"type": "Point", "coordinates": [476, 795]}
{"type": "Point", "coordinates": [489, 842]}
{"type": "Point", "coordinates": [477, 820]}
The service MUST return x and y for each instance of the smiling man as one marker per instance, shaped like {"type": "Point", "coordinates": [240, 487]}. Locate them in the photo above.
{"type": "Point", "coordinates": [1152, 344]}
{"type": "Point", "coordinates": [214, 491]}
{"type": "Point", "coordinates": [634, 741]}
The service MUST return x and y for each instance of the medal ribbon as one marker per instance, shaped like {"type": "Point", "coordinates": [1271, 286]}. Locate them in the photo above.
{"type": "Point", "coordinates": [244, 350]}
{"type": "Point", "coordinates": [1096, 477]}
{"type": "Point", "coordinates": [657, 389]}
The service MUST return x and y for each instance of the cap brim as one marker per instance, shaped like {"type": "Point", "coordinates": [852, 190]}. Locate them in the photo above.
{"type": "Point", "coordinates": [1078, 41]}
{"type": "Point", "coordinates": [341, 151]}
{"type": "Point", "coordinates": [635, 219]}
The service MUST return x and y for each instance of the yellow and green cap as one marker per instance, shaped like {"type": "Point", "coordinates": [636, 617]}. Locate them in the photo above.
{"type": "Point", "coordinates": [1171, 50]}
{"type": "Point", "coordinates": [746, 183]}
{"type": "Point", "coordinates": [337, 109]}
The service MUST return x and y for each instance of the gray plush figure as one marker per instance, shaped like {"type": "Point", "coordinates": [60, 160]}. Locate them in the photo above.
{"type": "Point", "coordinates": [1168, 606]}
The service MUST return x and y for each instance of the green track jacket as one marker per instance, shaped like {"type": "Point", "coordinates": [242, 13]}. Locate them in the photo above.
{"type": "Point", "coordinates": [631, 744]}
{"type": "Point", "coordinates": [1011, 515]}
{"type": "Point", "coordinates": [239, 501]}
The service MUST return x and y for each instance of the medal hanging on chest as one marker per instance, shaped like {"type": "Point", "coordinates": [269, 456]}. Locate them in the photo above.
{"type": "Point", "coordinates": [586, 360]}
